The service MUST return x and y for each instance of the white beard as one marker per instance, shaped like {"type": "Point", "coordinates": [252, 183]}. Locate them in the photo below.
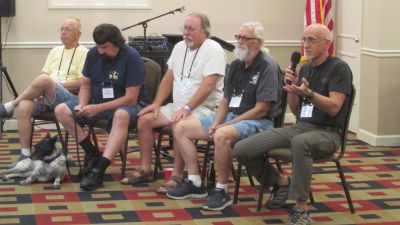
{"type": "Point", "coordinates": [189, 43]}
{"type": "Point", "coordinates": [242, 52]}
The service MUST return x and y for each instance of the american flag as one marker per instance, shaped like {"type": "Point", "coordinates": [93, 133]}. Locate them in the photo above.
{"type": "Point", "coordinates": [319, 11]}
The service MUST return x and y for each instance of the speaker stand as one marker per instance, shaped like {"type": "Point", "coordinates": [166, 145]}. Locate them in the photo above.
{"type": "Point", "coordinates": [3, 71]}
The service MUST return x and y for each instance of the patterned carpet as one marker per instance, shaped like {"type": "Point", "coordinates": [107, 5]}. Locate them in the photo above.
{"type": "Point", "coordinates": [373, 174]}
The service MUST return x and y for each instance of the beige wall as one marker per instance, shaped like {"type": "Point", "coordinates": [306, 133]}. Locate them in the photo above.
{"type": "Point", "coordinates": [380, 66]}
{"type": "Point", "coordinates": [34, 31]}
{"type": "Point", "coordinates": [35, 28]}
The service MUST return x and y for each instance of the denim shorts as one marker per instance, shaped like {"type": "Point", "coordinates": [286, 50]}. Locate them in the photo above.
{"type": "Point", "coordinates": [107, 115]}
{"type": "Point", "coordinates": [245, 128]}
{"type": "Point", "coordinates": [46, 105]}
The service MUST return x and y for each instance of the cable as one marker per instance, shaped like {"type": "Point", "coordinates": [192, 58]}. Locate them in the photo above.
{"type": "Point", "coordinates": [8, 31]}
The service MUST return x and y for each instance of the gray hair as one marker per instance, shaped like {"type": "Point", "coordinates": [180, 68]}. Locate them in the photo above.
{"type": "Point", "coordinates": [77, 23]}
{"type": "Point", "coordinates": [258, 33]}
{"type": "Point", "coordinates": [205, 22]}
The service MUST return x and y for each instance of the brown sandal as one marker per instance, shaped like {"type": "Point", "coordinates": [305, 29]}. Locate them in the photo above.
{"type": "Point", "coordinates": [170, 184]}
{"type": "Point", "coordinates": [142, 178]}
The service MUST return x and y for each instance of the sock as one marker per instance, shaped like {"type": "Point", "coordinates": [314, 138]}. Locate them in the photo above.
{"type": "Point", "coordinates": [222, 186]}
{"type": "Point", "coordinates": [195, 179]}
{"type": "Point", "coordinates": [103, 164]}
{"type": "Point", "coordinates": [26, 151]}
{"type": "Point", "coordinates": [9, 106]}
{"type": "Point", "coordinates": [88, 146]}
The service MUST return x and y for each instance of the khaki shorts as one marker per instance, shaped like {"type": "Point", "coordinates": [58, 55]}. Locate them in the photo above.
{"type": "Point", "coordinates": [169, 110]}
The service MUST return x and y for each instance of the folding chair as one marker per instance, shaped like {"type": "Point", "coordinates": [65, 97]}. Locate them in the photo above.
{"type": "Point", "coordinates": [284, 155]}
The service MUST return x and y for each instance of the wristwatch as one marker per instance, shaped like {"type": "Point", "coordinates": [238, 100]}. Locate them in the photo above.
{"type": "Point", "coordinates": [310, 94]}
{"type": "Point", "coordinates": [187, 108]}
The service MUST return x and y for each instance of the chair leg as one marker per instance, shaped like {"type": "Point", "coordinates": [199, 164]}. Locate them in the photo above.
{"type": "Point", "coordinates": [124, 156]}
{"type": "Point", "coordinates": [312, 200]}
{"type": "Point", "coordinates": [205, 162]}
{"type": "Point", "coordinates": [233, 172]}
{"type": "Point", "coordinates": [157, 152]}
{"type": "Point", "coordinates": [237, 183]}
{"type": "Point", "coordinates": [345, 186]}
{"type": "Point", "coordinates": [250, 178]}
{"type": "Point", "coordinates": [32, 130]}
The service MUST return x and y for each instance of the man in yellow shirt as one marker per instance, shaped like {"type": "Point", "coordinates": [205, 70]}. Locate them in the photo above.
{"type": "Point", "coordinates": [59, 79]}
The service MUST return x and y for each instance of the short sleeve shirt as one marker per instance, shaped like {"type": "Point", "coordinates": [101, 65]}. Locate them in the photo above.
{"type": "Point", "coordinates": [126, 70]}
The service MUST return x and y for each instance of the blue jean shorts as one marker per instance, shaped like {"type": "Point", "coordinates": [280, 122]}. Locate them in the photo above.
{"type": "Point", "coordinates": [108, 115]}
{"type": "Point", "coordinates": [47, 105]}
{"type": "Point", "coordinates": [245, 128]}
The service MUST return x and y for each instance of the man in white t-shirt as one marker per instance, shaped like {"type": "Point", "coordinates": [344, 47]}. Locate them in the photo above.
{"type": "Point", "coordinates": [196, 69]}
{"type": "Point", "coordinates": [60, 76]}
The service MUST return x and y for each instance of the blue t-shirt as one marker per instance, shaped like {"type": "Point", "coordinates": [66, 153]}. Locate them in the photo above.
{"type": "Point", "coordinates": [126, 70]}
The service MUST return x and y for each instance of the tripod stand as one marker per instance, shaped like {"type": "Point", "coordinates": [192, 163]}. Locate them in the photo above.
{"type": "Point", "coordinates": [3, 71]}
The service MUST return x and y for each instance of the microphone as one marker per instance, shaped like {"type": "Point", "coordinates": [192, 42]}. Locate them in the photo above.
{"type": "Point", "coordinates": [181, 9]}
{"type": "Point", "coordinates": [295, 60]}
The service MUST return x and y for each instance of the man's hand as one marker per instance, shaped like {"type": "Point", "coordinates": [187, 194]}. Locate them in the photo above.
{"type": "Point", "coordinates": [180, 114]}
{"type": "Point", "coordinates": [301, 90]}
{"type": "Point", "coordinates": [87, 110]}
{"type": "Point", "coordinates": [290, 76]}
{"type": "Point", "coordinates": [154, 108]}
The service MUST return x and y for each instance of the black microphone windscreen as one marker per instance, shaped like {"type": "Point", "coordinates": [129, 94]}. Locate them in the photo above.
{"type": "Point", "coordinates": [295, 57]}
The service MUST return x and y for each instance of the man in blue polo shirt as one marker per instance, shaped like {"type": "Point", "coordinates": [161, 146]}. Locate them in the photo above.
{"type": "Point", "coordinates": [112, 89]}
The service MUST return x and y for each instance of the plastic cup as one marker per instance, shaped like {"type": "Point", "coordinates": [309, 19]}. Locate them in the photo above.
{"type": "Point", "coordinates": [167, 173]}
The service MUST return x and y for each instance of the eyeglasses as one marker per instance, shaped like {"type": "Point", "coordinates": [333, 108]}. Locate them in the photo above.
{"type": "Point", "coordinates": [65, 29]}
{"type": "Point", "coordinates": [311, 41]}
{"type": "Point", "coordinates": [189, 29]}
{"type": "Point", "coordinates": [244, 38]}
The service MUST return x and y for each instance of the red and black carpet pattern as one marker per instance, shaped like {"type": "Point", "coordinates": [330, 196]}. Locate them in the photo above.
{"type": "Point", "coordinates": [373, 174]}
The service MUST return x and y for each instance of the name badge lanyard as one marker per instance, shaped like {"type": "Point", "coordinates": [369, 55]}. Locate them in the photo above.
{"type": "Point", "coordinates": [191, 65]}
{"type": "Point", "coordinates": [70, 62]}
{"type": "Point", "coordinates": [236, 99]}
{"type": "Point", "coordinates": [307, 107]}
{"type": "Point", "coordinates": [108, 92]}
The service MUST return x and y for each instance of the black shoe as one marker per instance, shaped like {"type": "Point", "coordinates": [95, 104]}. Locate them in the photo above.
{"type": "Point", "coordinates": [278, 196]}
{"type": "Point", "coordinates": [187, 190]}
{"type": "Point", "coordinates": [90, 161]}
{"type": "Point", "coordinates": [92, 181]}
{"type": "Point", "coordinates": [218, 200]}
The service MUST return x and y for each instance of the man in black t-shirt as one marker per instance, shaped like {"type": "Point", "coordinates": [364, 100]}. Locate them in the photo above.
{"type": "Point", "coordinates": [316, 96]}
{"type": "Point", "coordinates": [251, 97]}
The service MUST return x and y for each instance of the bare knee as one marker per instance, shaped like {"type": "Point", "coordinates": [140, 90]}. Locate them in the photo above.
{"type": "Point", "coordinates": [25, 109]}
{"type": "Point", "coordinates": [62, 111]}
{"type": "Point", "coordinates": [181, 128]}
{"type": "Point", "coordinates": [145, 121]}
{"type": "Point", "coordinates": [121, 118]}
{"type": "Point", "coordinates": [223, 138]}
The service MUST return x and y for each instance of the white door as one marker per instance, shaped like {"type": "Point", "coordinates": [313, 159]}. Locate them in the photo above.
{"type": "Point", "coordinates": [348, 45]}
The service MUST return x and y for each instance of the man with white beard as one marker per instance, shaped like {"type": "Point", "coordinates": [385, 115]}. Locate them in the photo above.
{"type": "Point", "coordinates": [251, 100]}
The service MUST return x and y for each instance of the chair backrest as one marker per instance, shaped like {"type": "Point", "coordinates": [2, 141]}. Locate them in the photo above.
{"type": "Point", "coordinates": [153, 77]}
{"type": "Point", "coordinates": [279, 119]}
{"type": "Point", "coordinates": [348, 104]}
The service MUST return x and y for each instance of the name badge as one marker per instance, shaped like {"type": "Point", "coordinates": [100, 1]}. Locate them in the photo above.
{"type": "Point", "coordinates": [306, 110]}
{"type": "Point", "coordinates": [235, 101]}
{"type": "Point", "coordinates": [186, 84]}
{"type": "Point", "coordinates": [108, 93]}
